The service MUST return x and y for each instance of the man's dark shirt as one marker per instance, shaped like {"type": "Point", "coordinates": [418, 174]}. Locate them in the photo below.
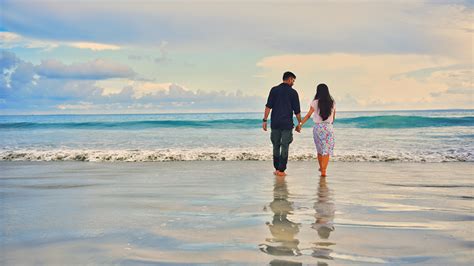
{"type": "Point", "coordinates": [283, 100]}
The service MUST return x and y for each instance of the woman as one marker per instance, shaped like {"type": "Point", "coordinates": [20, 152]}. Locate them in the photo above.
{"type": "Point", "coordinates": [323, 132]}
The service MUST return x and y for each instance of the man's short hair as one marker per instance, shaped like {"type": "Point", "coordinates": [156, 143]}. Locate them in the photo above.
{"type": "Point", "coordinates": [288, 75]}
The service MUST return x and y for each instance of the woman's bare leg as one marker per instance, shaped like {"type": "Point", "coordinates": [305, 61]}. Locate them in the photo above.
{"type": "Point", "coordinates": [319, 161]}
{"type": "Point", "coordinates": [324, 164]}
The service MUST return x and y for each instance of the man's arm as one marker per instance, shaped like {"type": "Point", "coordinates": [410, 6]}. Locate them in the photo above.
{"type": "Point", "coordinates": [268, 107]}
{"type": "Point", "coordinates": [265, 117]}
{"type": "Point", "coordinates": [298, 127]}
{"type": "Point", "coordinates": [298, 116]}
{"type": "Point", "coordinates": [295, 103]}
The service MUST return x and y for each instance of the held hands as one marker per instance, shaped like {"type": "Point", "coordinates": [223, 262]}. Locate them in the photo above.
{"type": "Point", "coordinates": [298, 127]}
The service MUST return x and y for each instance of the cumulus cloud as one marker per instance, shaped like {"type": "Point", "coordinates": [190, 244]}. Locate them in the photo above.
{"type": "Point", "coordinates": [183, 98]}
{"type": "Point", "coordinates": [79, 106]}
{"type": "Point", "coordinates": [8, 59]}
{"type": "Point", "coordinates": [52, 80]}
{"type": "Point", "coordinates": [55, 87]}
{"type": "Point", "coordinates": [171, 98]}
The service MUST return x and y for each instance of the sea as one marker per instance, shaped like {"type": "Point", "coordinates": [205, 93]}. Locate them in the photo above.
{"type": "Point", "coordinates": [360, 136]}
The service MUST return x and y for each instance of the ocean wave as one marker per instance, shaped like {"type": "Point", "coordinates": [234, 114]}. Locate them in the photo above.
{"type": "Point", "coordinates": [399, 121]}
{"type": "Point", "coordinates": [385, 121]}
{"type": "Point", "coordinates": [220, 155]}
{"type": "Point", "coordinates": [137, 124]}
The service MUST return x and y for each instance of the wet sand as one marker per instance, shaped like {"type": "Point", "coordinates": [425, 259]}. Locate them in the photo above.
{"type": "Point", "coordinates": [64, 213]}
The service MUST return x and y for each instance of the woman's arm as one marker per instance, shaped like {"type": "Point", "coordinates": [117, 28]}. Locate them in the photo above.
{"type": "Point", "coordinates": [308, 115]}
{"type": "Point", "coordinates": [334, 116]}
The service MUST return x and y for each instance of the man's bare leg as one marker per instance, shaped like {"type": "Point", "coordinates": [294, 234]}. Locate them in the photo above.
{"type": "Point", "coordinates": [280, 173]}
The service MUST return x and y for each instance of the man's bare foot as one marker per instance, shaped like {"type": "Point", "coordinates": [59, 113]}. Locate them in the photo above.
{"type": "Point", "coordinates": [281, 173]}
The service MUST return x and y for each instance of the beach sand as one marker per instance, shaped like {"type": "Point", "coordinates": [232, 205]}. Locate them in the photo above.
{"type": "Point", "coordinates": [65, 213]}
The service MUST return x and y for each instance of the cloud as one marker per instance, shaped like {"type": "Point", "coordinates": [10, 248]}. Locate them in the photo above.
{"type": "Point", "coordinates": [186, 99]}
{"type": "Point", "coordinates": [23, 74]}
{"type": "Point", "coordinates": [11, 40]}
{"type": "Point", "coordinates": [94, 46]}
{"type": "Point", "coordinates": [95, 70]}
{"type": "Point", "coordinates": [135, 57]}
{"type": "Point", "coordinates": [52, 80]}
{"type": "Point", "coordinates": [174, 98]}
{"type": "Point", "coordinates": [163, 53]}
{"type": "Point", "coordinates": [54, 87]}
{"type": "Point", "coordinates": [8, 59]}
{"type": "Point", "coordinates": [368, 27]}
{"type": "Point", "coordinates": [385, 81]}
{"type": "Point", "coordinates": [395, 54]}
{"type": "Point", "coordinates": [79, 106]}
{"type": "Point", "coordinates": [426, 72]}
{"type": "Point", "coordinates": [162, 58]}
{"type": "Point", "coordinates": [468, 92]}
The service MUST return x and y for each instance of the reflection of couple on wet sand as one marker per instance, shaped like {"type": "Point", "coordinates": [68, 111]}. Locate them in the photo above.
{"type": "Point", "coordinates": [284, 241]}
{"type": "Point", "coordinates": [324, 223]}
{"type": "Point", "coordinates": [283, 101]}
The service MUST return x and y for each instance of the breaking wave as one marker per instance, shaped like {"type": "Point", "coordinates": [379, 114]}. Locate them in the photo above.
{"type": "Point", "coordinates": [220, 155]}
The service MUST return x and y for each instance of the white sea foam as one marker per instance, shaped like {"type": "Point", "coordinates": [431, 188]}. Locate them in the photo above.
{"type": "Point", "coordinates": [215, 154]}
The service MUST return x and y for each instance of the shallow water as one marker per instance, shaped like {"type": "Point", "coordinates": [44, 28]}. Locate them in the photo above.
{"type": "Point", "coordinates": [236, 212]}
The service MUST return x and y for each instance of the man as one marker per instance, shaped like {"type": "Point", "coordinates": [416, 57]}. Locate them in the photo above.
{"type": "Point", "coordinates": [283, 101]}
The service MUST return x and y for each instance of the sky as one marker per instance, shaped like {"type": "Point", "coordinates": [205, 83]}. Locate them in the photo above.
{"type": "Point", "coordinates": [115, 56]}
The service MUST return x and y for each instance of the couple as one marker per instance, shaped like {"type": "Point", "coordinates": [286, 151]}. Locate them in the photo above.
{"type": "Point", "coordinates": [283, 101]}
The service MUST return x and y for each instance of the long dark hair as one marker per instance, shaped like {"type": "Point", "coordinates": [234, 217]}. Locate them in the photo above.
{"type": "Point", "coordinates": [325, 101]}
